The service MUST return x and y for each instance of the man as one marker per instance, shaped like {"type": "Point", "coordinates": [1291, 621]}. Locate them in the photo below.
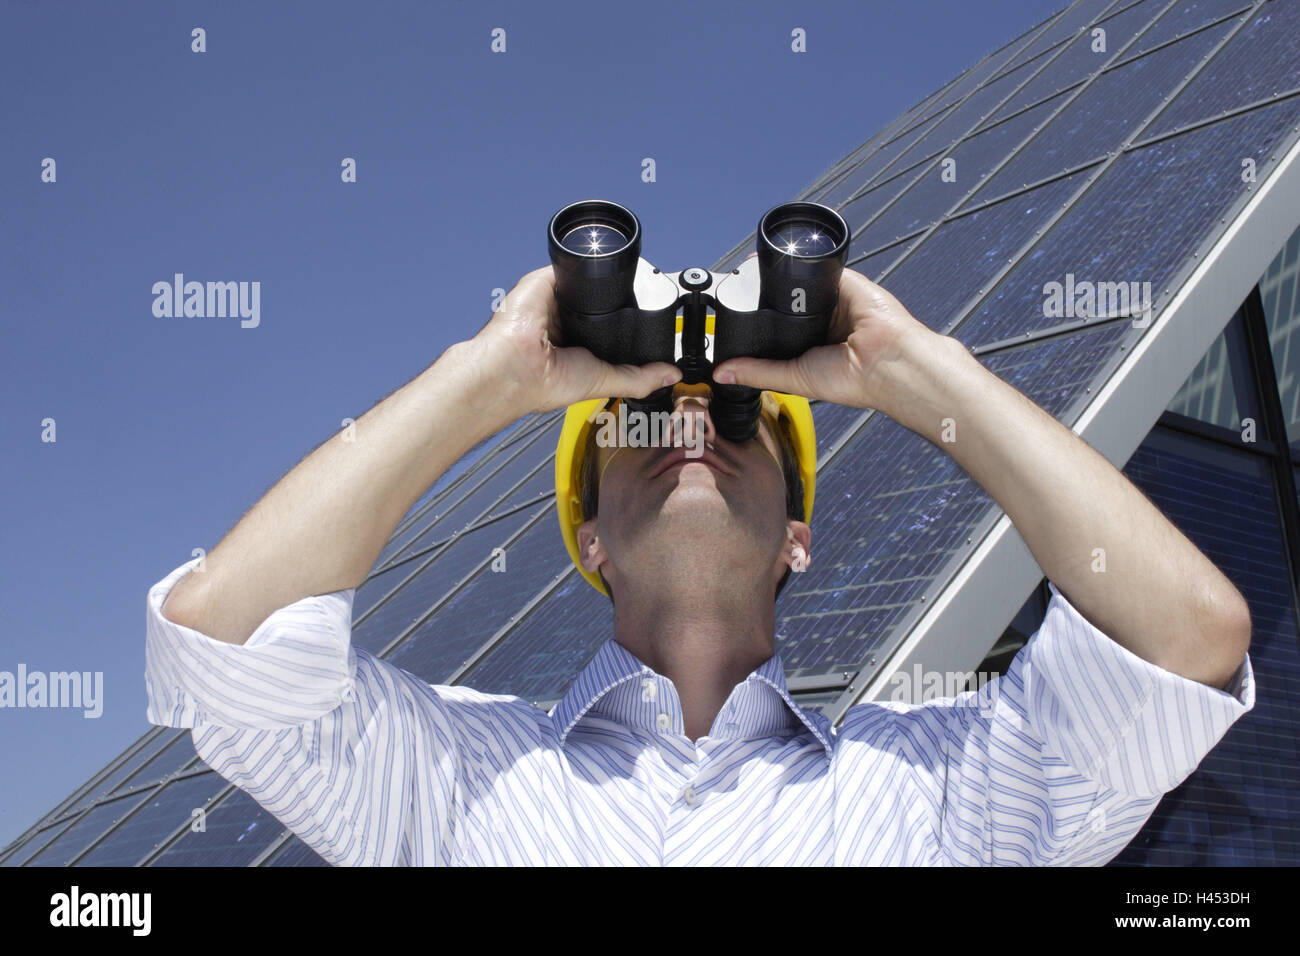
{"type": "Point", "coordinates": [678, 743]}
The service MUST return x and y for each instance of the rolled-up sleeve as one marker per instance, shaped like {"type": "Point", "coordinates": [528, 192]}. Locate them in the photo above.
{"type": "Point", "coordinates": [297, 666]}
{"type": "Point", "coordinates": [354, 755]}
{"type": "Point", "coordinates": [1062, 759]}
{"type": "Point", "coordinates": [1119, 720]}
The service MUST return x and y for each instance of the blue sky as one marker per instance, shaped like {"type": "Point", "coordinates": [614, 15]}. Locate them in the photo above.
{"type": "Point", "coordinates": [224, 166]}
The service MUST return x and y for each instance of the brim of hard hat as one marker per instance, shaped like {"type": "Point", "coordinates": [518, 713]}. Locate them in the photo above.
{"type": "Point", "coordinates": [579, 419]}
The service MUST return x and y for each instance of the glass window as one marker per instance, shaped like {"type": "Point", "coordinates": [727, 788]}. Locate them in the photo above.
{"type": "Point", "coordinates": [1280, 291]}
{"type": "Point", "coordinates": [1219, 390]}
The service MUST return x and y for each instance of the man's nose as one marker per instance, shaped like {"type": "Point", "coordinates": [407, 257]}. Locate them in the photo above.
{"type": "Point", "coordinates": [690, 413]}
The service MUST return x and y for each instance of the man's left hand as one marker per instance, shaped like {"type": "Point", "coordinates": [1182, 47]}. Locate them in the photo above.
{"type": "Point", "coordinates": [870, 335]}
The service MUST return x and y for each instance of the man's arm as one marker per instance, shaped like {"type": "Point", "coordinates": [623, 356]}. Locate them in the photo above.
{"type": "Point", "coordinates": [321, 528]}
{"type": "Point", "coordinates": [1158, 597]}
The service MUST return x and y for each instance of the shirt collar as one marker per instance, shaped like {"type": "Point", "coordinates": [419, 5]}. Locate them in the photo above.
{"type": "Point", "coordinates": [616, 684]}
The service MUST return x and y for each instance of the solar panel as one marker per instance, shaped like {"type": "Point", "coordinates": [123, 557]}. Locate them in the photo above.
{"type": "Point", "coordinates": [1099, 119]}
{"type": "Point", "coordinates": [26, 849]}
{"type": "Point", "coordinates": [1240, 807]}
{"type": "Point", "coordinates": [966, 117]}
{"type": "Point", "coordinates": [170, 807]}
{"type": "Point", "coordinates": [829, 422]}
{"type": "Point", "coordinates": [1070, 23]}
{"type": "Point", "coordinates": [543, 655]}
{"type": "Point", "coordinates": [464, 472]}
{"type": "Point", "coordinates": [1085, 55]}
{"type": "Point", "coordinates": [1183, 19]}
{"type": "Point", "coordinates": [297, 853]}
{"type": "Point", "coordinates": [938, 188]}
{"type": "Point", "coordinates": [448, 639]}
{"type": "Point", "coordinates": [842, 190]}
{"type": "Point", "coordinates": [1261, 61]}
{"type": "Point", "coordinates": [1139, 222]}
{"type": "Point", "coordinates": [506, 469]}
{"type": "Point", "coordinates": [236, 831]}
{"type": "Point", "coordinates": [532, 492]}
{"type": "Point", "coordinates": [125, 769]}
{"type": "Point", "coordinates": [992, 66]}
{"type": "Point", "coordinates": [886, 506]}
{"type": "Point", "coordinates": [963, 255]}
{"type": "Point", "coordinates": [429, 584]}
{"type": "Point", "coordinates": [892, 509]}
{"type": "Point", "coordinates": [78, 836]}
{"type": "Point", "coordinates": [177, 754]}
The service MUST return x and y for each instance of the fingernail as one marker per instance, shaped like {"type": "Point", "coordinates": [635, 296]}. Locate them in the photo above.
{"type": "Point", "coordinates": [726, 378]}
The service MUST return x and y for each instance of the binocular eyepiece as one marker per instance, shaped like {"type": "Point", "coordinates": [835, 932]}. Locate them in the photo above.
{"type": "Point", "coordinates": [776, 305]}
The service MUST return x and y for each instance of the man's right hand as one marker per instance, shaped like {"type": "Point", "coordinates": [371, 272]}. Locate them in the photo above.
{"type": "Point", "coordinates": [523, 340]}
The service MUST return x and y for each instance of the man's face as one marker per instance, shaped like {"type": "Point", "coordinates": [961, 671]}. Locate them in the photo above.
{"type": "Point", "coordinates": [670, 513]}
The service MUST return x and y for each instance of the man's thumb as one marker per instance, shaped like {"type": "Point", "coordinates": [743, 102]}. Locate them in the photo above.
{"type": "Point", "coordinates": [638, 381]}
{"type": "Point", "coordinates": [756, 373]}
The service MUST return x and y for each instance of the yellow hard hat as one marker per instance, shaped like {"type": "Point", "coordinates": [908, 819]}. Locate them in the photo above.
{"type": "Point", "coordinates": [580, 417]}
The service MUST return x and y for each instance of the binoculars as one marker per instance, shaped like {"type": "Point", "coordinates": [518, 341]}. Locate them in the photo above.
{"type": "Point", "coordinates": [624, 311]}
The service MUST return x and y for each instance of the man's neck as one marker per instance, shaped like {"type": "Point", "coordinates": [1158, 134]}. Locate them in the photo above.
{"type": "Point", "coordinates": [704, 649]}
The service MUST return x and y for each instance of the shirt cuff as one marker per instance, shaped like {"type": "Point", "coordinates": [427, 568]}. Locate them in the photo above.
{"type": "Point", "coordinates": [298, 665]}
{"type": "Point", "coordinates": [1117, 719]}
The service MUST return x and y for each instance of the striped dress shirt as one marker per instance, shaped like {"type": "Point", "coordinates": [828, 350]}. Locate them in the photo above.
{"type": "Point", "coordinates": [1059, 761]}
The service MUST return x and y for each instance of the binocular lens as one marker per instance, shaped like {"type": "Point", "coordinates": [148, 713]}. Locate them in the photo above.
{"type": "Point", "coordinates": [593, 239]}
{"type": "Point", "coordinates": [802, 247]}
{"type": "Point", "coordinates": [594, 247]}
{"type": "Point", "coordinates": [804, 239]}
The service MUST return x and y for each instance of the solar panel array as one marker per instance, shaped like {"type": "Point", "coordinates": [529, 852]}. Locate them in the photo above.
{"type": "Point", "coordinates": [1113, 156]}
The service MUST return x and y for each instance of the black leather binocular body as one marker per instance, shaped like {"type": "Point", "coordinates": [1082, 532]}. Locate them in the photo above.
{"type": "Point", "coordinates": [776, 305]}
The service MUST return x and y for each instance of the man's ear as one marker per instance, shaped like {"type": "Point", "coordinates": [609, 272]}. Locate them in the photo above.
{"type": "Point", "coordinates": [590, 550]}
{"type": "Point", "coordinates": [797, 553]}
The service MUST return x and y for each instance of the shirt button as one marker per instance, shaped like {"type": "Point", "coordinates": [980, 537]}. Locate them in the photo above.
{"type": "Point", "coordinates": [649, 689]}
{"type": "Point", "coordinates": [690, 796]}
{"type": "Point", "coordinates": [349, 693]}
{"type": "Point", "coordinates": [664, 721]}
